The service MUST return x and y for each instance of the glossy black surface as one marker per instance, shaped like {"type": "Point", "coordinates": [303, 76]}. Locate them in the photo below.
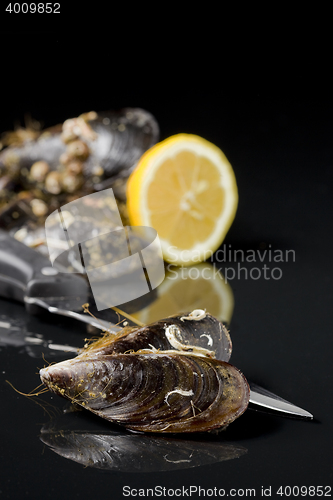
{"type": "Point", "coordinates": [280, 147]}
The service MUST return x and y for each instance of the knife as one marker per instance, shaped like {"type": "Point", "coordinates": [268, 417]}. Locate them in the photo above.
{"type": "Point", "coordinates": [27, 276]}
{"type": "Point", "coordinates": [268, 401]}
{"type": "Point", "coordinates": [260, 398]}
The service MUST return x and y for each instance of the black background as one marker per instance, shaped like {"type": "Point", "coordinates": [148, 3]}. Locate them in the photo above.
{"type": "Point", "coordinates": [273, 122]}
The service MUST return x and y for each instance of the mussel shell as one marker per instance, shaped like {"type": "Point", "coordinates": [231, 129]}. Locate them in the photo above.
{"type": "Point", "coordinates": [160, 392]}
{"type": "Point", "coordinates": [48, 147]}
{"type": "Point", "coordinates": [122, 137]}
{"type": "Point", "coordinates": [117, 141]}
{"type": "Point", "coordinates": [208, 333]}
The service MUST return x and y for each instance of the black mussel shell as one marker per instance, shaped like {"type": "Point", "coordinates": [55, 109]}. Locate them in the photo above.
{"type": "Point", "coordinates": [157, 378]}
{"type": "Point", "coordinates": [160, 392]}
{"type": "Point", "coordinates": [208, 334]}
{"type": "Point", "coordinates": [121, 137]}
{"type": "Point", "coordinates": [45, 170]}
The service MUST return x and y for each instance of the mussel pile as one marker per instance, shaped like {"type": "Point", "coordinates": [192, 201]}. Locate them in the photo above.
{"type": "Point", "coordinates": [164, 377]}
{"type": "Point", "coordinates": [43, 170]}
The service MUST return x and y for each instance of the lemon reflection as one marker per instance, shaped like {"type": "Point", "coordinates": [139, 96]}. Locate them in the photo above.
{"type": "Point", "coordinates": [200, 286]}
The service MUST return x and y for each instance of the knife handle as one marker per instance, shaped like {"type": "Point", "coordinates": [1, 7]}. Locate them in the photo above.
{"type": "Point", "coordinates": [25, 272]}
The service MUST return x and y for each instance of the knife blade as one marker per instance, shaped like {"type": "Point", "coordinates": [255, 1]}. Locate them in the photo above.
{"type": "Point", "coordinates": [266, 400]}
{"type": "Point", "coordinates": [27, 276]}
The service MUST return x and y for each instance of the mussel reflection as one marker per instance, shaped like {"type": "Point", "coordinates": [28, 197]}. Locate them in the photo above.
{"type": "Point", "coordinates": [118, 450]}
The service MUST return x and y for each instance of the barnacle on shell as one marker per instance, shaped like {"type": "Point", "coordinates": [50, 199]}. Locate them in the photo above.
{"type": "Point", "coordinates": [86, 154]}
{"type": "Point", "coordinates": [158, 378]}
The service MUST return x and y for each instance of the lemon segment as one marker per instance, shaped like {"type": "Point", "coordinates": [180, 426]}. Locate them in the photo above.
{"type": "Point", "coordinates": [185, 188]}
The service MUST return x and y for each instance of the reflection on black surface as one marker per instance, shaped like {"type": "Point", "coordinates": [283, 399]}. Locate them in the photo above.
{"type": "Point", "coordinates": [34, 344]}
{"type": "Point", "coordinates": [254, 424]}
{"type": "Point", "coordinates": [114, 449]}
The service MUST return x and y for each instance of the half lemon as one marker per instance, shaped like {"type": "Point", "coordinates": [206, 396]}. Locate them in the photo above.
{"type": "Point", "coordinates": [185, 188]}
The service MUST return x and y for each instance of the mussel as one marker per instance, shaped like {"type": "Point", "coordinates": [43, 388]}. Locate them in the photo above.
{"type": "Point", "coordinates": [43, 170]}
{"type": "Point", "coordinates": [102, 145]}
{"type": "Point", "coordinates": [158, 378]}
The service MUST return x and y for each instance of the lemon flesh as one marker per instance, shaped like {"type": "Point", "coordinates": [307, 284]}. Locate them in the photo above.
{"type": "Point", "coordinates": [185, 188]}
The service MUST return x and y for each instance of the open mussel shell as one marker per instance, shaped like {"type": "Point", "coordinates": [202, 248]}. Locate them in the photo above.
{"type": "Point", "coordinates": [118, 450]}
